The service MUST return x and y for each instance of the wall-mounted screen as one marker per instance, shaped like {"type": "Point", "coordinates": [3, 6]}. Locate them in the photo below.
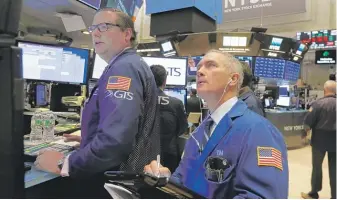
{"type": "Point", "coordinates": [192, 65]}
{"type": "Point", "coordinates": [269, 67]}
{"type": "Point", "coordinates": [291, 71]}
{"type": "Point", "coordinates": [325, 57]}
{"type": "Point", "coordinates": [175, 67]}
{"type": "Point", "coordinates": [179, 94]}
{"type": "Point", "coordinates": [52, 63]}
{"type": "Point", "coordinates": [99, 66]}
{"type": "Point", "coordinates": [321, 39]}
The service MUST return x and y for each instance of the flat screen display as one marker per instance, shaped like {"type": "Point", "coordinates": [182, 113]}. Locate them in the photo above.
{"type": "Point", "coordinates": [321, 39]}
{"type": "Point", "coordinates": [276, 44]}
{"type": "Point", "coordinates": [179, 94]}
{"type": "Point", "coordinates": [269, 67]}
{"type": "Point", "coordinates": [283, 101]}
{"type": "Point", "coordinates": [247, 59]}
{"type": "Point", "coordinates": [291, 71]}
{"type": "Point", "coordinates": [99, 66]}
{"type": "Point", "coordinates": [175, 67]}
{"type": "Point", "coordinates": [41, 97]}
{"type": "Point", "coordinates": [51, 63]}
{"type": "Point", "coordinates": [325, 57]}
{"type": "Point", "coordinates": [304, 37]}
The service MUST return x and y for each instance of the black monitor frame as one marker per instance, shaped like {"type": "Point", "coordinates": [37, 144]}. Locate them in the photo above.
{"type": "Point", "coordinates": [56, 45]}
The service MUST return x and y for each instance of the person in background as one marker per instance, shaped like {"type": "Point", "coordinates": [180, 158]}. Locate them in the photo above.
{"type": "Point", "coordinates": [234, 153]}
{"type": "Point", "coordinates": [246, 94]}
{"type": "Point", "coordinates": [120, 127]}
{"type": "Point", "coordinates": [194, 103]}
{"type": "Point", "coordinates": [321, 119]}
{"type": "Point", "coordinates": [173, 121]}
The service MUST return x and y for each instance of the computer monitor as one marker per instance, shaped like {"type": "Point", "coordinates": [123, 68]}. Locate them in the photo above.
{"type": "Point", "coordinates": [41, 97]}
{"type": "Point", "coordinates": [283, 91]}
{"type": "Point", "coordinates": [180, 94]}
{"type": "Point", "coordinates": [53, 63]}
{"type": "Point", "coordinates": [92, 83]}
{"type": "Point", "coordinates": [175, 67]}
{"type": "Point", "coordinates": [99, 67]}
{"type": "Point", "coordinates": [283, 101]}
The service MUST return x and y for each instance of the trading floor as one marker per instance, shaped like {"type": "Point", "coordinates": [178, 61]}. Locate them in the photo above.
{"type": "Point", "coordinates": [300, 173]}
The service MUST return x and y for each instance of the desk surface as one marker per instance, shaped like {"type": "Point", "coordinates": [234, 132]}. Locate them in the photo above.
{"type": "Point", "coordinates": [34, 176]}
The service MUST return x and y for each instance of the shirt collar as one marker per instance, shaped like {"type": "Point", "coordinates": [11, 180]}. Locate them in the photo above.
{"type": "Point", "coordinates": [222, 110]}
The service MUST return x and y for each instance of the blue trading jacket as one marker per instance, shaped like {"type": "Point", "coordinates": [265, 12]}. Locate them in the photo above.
{"type": "Point", "coordinates": [120, 121]}
{"type": "Point", "coordinates": [255, 153]}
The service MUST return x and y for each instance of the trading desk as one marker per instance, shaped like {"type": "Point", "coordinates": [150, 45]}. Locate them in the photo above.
{"type": "Point", "coordinates": [40, 184]}
{"type": "Point", "coordinates": [290, 123]}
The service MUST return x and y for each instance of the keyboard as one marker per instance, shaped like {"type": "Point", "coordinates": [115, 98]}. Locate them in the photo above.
{"type": "Point", "coordinates": [34, 150]}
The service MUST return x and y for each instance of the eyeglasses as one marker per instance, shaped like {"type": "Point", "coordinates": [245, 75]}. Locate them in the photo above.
{"type": "Point", "coordinates": [102, 27]}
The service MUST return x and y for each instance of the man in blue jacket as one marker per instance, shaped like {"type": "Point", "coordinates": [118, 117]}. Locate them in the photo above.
{"type": "Point", "coordinates": [234, 153]}
{"type": "Point", "coordinates": [120, 121]}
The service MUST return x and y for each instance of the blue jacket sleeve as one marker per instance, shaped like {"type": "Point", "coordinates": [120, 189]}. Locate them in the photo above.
{"type": "Point", "coordinates": [120, 102]}
{"type": "Point", "coordinates": [258, 178]}
{"type": "Point", "coordinates": [311, 117]}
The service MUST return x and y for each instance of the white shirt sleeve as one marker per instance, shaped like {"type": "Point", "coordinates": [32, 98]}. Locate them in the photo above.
{"type": "Point", "coordinates": [65, 167]}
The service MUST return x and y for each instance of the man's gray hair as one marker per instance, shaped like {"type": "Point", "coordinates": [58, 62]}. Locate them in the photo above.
{"type": "Point", "coordinates": [232, 64]}
{"type": "Point", "coordinates": [124, 21]}
{"type": "Point", "coordinates": [330, 86]}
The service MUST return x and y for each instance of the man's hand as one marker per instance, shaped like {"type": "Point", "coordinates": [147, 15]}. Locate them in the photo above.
{"type": "Point", "coordinates": [71, 138]}
{"type": "Point", "coordinates": [153, 169]}
{"type": "Point", "coordinates": [49, 161]}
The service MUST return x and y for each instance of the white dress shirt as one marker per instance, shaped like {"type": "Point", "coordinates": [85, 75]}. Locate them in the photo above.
{"type": "Point", "coordinates": [221, 111]}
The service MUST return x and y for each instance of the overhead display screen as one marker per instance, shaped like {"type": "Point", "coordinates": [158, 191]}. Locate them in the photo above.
{"type": "Point", "coordinates": [51, 63]}
{"type": "Point", "coordinates": [291, 71]}
{"type": "Point", "coordinates": [99, 66]}
{"type": "Point", "coordinates": [321, 39]}
{"type": "Point", "coordinates": [175, 67]}
{"type": "Point", "coordinates": [247, 59]}
{"type": "Point", "coordinates": [325, 57]}
{"type": "Point", "coordinates": [192, 65]}
{"type": "Point", "coordinates": [304, 37]}
{"type": "Point", "coordinates": [269, 67]}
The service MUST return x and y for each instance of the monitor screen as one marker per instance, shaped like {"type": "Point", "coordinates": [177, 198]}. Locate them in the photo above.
{"type": "Point", "coordinates": [99, 66]}
{"type": "Point", "coordinates": [179, 94]}
{"type": "Point", "coordinates": [41, 97]}
{"type": "Point", "coordinates": [52, 63]}
{"type": "Point", "coordinates": [304, 37]}
{"type": "Point", "coordinates": [247, 59]}
{"type": "Point", "coordinates": [269, 67]}
{"type": "Point", "coordinates": [283, 101]}
{"type": "Point", "coordinates": [275, 43]}
{"type": "Point", "coordinates": [283, 91]}
{"type": "Point", "coordinates": [325, 57]}
{"type": "Point", "coordinates": [175, 67]}
{"type": "Point", "coordinates": [292, 71]}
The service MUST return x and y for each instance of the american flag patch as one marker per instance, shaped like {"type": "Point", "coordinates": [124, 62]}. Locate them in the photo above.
{"type": "Point", "coordinates": [118, 83]}
{"type": "Point", "coordinates": [268, 156]}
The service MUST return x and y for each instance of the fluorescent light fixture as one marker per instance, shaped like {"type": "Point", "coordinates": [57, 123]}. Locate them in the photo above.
{"type": "Point", "coordinates": [86, 32]}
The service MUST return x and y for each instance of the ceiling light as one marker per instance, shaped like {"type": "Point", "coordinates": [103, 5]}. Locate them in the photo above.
{"type": "Point", "coordinates": [86, 32]}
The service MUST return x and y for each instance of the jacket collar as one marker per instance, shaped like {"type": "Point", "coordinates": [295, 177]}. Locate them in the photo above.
{"type": "Point", "coordinates": [245, 92]}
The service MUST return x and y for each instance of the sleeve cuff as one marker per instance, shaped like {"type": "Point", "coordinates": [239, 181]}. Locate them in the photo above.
{"type": "Point", "coordinates": [65, 167]}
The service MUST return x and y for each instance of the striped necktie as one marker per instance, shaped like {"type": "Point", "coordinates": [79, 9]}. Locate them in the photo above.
{"type": "Point", "coordinates": [207, 131]}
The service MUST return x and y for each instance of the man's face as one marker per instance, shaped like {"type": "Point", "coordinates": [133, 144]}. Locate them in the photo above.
{"type": "Point", "coordinates": [212, 75]}
{"type": "Point", "coordinates": [112, 41]}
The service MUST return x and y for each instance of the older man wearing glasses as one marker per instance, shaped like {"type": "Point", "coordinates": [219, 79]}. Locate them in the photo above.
{"type": "Point", "coordinates": [119, 129]}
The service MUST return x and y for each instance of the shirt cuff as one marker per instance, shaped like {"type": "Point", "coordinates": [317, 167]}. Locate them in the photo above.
{"type": "Point", "coordinates": [65, 167]}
